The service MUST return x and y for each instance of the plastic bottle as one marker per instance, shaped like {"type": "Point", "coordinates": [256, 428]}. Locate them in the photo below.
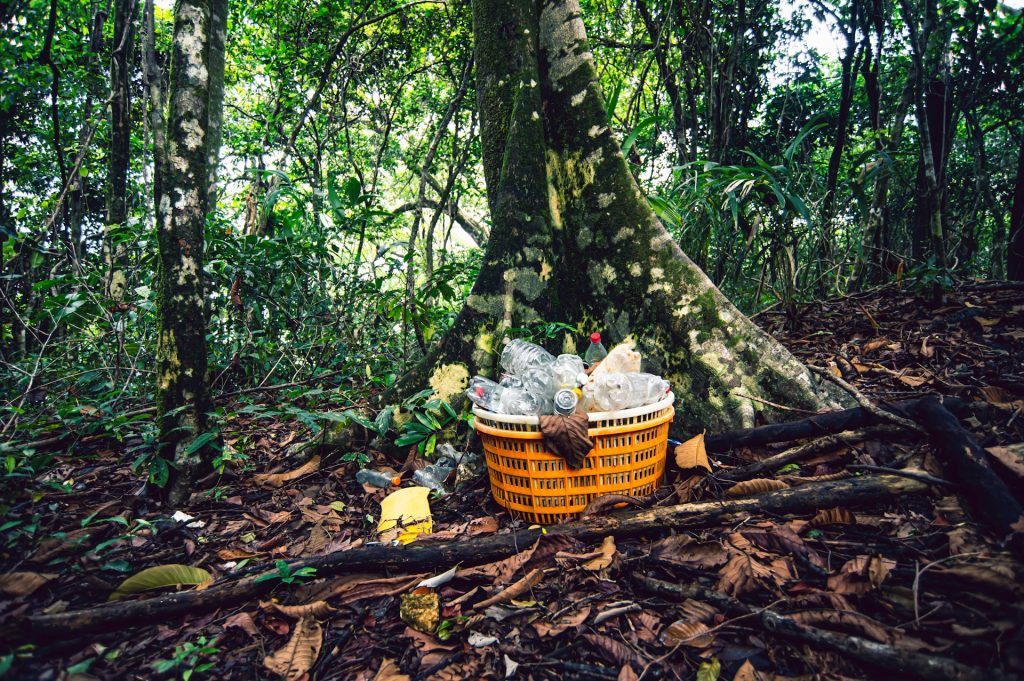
{"type": "Point", "coordinates": [434, 475]}
{"type": "Point", "coordinates": [565, 371]}
{"type": "Point", "coordinates": [566, 401]}
{"type": "Point", "coordinates": [539, 381]}
{"type": "Point", "coordinates": [368, 476]}
{"type": "Point", "coordinates": [485, 393]}
{"type": "Point", "coordinates": [596, 352]}
{"type": "Point", "coordinates": [615, 391]}
{"type": "Point", "coordinates": [622, 359]}
{"type": "Point", "coordinates": [518, 355]}
{"type": "Point", "coordinates": [519, 401]}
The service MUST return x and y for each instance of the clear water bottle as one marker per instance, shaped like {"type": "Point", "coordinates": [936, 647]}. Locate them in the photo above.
{"type": "Point", "coordinates": [520, 402]}
{"type": "Point", "coordinates": [566, 401]}
{"type": "Point", "coordinates": [368, 476]}
{"type": "Point", "coordinates": [539, 381]}
{"type": "Point", "coordinates": [485, 393]}
{"type": "Point", "coordinates": [518, 355]}
{"type": "Point", "coordinates": [566, 370]}
{"type": "Point", "coordinates": [510, 381]}
{"type": "Point", "coordinates": [596, 352]}
{"type": "Point", "coordinates": [615, 391]}
{"type": "Point", "coordinates": [434, 475]}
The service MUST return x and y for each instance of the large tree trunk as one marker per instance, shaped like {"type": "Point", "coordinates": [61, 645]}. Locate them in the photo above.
{"type": "Point", "coordinates": [183, 399]}
{"type": "Point", "coordinates": [574, 239]}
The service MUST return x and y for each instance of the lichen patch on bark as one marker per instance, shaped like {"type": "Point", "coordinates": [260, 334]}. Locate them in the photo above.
{"type": "Point", "coordinates": [449, 380]}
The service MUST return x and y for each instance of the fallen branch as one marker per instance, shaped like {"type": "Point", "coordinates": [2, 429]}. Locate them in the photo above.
{"type": "Point", "coordinates": [908, 664]}
{"type": "Point", "coordinates": [823, 444]}
{"type": "Point", "coordinates": [966, 464]}
{"type": "Point", "coordinates": [419, 556]}
{"type": "Point", "coordinates": [827, 423]}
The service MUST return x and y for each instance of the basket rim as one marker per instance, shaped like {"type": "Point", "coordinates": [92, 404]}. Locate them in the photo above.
{"type": "Point", "coordinates": [534, 420]}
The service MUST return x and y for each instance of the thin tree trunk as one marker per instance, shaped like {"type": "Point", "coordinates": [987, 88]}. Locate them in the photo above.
{"type": "Point", "coordinates": [850, 63]}
{"type": "Point", "coordinates": [1015, 251]}
{"type": "Point", "coordinates": [183, 399]}
{"type": "Point", "coordinates": [215, 130]}
{"type": "Point", "coordinates": [119, 159]}
{"type": "Point", "coordinates": [668, 77]}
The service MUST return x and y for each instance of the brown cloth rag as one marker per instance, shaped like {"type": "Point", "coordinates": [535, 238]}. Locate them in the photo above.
{"type": "Point", "coordinates": [567, 437]}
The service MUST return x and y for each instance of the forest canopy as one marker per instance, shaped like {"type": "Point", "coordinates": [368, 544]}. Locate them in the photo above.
{"type": "Point", "coordinates": [793, 151]}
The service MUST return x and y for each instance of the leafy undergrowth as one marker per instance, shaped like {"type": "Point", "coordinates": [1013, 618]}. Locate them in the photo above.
{"type": "Point", "coordinates": [916, 574]}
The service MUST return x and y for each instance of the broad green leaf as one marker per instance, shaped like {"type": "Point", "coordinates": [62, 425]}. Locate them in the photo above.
{"type": "Point", "coordinates": [159, 577]}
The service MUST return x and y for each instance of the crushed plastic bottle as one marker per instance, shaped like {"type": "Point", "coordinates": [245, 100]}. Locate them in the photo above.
{"type": "Point", "coordinates": [368, 476]}
{"type": "Point", "coordinates": [434, 475]}
{"type": "Point", "coordinates": [614, 391]}
{"type": "Point", "coordinates": [596, 352]}
{"type": "Point", "coordinates": [491, 396]}
{"type": "Point", "coordinates": [565, 371]}
{"type": "Point", "coordinates": [485, 393]}
{"type": "Point", "coordinates": [623, 359]}
{"type": "Point", "coordinates": [519, 355]}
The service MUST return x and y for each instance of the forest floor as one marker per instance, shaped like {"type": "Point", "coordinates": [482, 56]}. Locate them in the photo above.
{"type": "Point", "coordinates": [917, 574]}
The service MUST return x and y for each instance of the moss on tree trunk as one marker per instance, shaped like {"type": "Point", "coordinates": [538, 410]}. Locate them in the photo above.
{"type": "Point", "coordinates": [574, 239]}
{"type": "Point", "coordinates": [183, 399]}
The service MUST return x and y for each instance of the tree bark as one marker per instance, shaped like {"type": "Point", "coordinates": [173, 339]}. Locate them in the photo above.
{"type": "Point", "coordinates": [218, 36]}
{"type": "Point", "coordinates": [1015, 251]}
{"type": "Point", "coordinates": [119, 157]}
{"type": "Point", "coordinates": [574, 239]}
{"type": "Point", "coordinates": [182, 390]}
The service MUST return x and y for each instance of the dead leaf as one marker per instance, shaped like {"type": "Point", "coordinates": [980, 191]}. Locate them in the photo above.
{"type": "Point", "coordinates": [692, 634]}
{"type": "Point", "coordinates": [1010, 456]}
{"type": "Point", "coordinates": [746, 672]}
{"type": "Point", "coordinates": [317, 609]}
{"type": "Point", "coordinates": [299, 654]}
{"type": "Point", "coordinates": [605, 559]}
{"type": "Point", "coordinates": [389, 671]}
{"type": "Point", "coordinates": [693, 454]}
{"type": "Point", "coordinates": [698, 611]}
{"type": "Point", "coordinates": [831, 516]}
{"type": "Point", "coordinates": [279, 479]}
{"type": "Point", "coordinates": [352, 588]}
{"type": "Point", "coordinates": [741, 574]}
{"type": "Point", "coordinates": [912, 381]}
{"type": "Point", "coordinates": [627, 674]}
{"type": "Point", "coordinates": [515, 590]}
{"type": "Point", "coordinates": [243, 621]}
{"type": "Point", "coordinates": [612, 650]}
{"type": "Point", "coordinates": [567, 621]}
{"type": "Point", "coordinates": [23, 583]}
{"type": "Point", "coordinates": [861, 574]}
{"type": "Point", "coordinates": [685, 550]}
{"type": "Point", "coordinates": [879, 343]}
{"type": "Point", "coordinates": [755, 486]}
{"type": "Point", "coordinates": [848, 621]}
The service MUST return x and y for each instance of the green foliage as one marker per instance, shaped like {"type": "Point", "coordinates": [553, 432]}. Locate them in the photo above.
{"type": "Point", "coordinates": [188, 659]}
{"type": "Point", "coordinates": [430, 421]}
{"type": "Point", "coordinates": [286, 575]}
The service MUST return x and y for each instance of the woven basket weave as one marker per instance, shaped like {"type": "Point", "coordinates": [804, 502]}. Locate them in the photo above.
{"type": "Point", "coordinates": [532, 483]}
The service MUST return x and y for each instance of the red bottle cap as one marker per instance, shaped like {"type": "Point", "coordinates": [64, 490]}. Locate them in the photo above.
{"type": "Point", "coordinates": [595, 337]}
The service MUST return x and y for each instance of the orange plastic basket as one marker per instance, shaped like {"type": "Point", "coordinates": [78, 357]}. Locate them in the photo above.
{"type": "Point", "coordinates": [628, 458]}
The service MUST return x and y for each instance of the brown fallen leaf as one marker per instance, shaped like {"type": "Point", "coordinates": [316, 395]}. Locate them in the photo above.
{"type": "Point", "coordinates": [692, 634]}
{"type": "Point", "coordinates": [605, 559]}
{"type": "Point", "coordinates": [567, 621]}
{"type": "Point", "coordinates": [912, 381]}
{"type": "Point", "coordinates": [830, 516]}
{"type": "Point", "coordinates": [23, 583]}
{"type": "Point", "coordinates": [741, 574]}
{"type": "Point", "coordinates": [317, 609]}
{"type": "Point", "coordinates": [513, 591]}
{"type": "Point", "coordinates": [685, 550]}
{"type": "Point", "coordinates": [389, 671]}
{"type": "Point", "coordinates": [613, 650]}
{"type": "Point", "coordinates": [746, 672]}
{"type": "Point", "coordinates": [279, 479]}
{"type": "Point", "coordinates": [693, 454]}
{"type": "Point", "coordinates": [755, 486]}
{"type": "Point", "coordinates": [861, 575]}
{"type": "Point", "coordinates": [1010, 456]}
{"type": "Point", "coordinates": [697, 611]}
{"type": "Point", "coordinates": [299, 654]}
{"type": "Point", "coordinates": [352, 588]}
{"type": "Point", "coordinates": [850, 622]}
{"type": "Point", "coordinates": [243, 621]}
{"type": "Point", "coordinates": [627, 674]}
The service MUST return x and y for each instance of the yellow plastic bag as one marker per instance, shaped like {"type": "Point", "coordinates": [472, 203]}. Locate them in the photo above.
{"type": "Point", "coordinates": [405, 514]}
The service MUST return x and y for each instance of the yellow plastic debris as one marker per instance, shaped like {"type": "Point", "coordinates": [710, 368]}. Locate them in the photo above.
{"type": "Point", "coordinates": [404, 514]}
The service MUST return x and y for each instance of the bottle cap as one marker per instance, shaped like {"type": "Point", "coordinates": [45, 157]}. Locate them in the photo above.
{"type": "Point", "coordinates": [595, 337]}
